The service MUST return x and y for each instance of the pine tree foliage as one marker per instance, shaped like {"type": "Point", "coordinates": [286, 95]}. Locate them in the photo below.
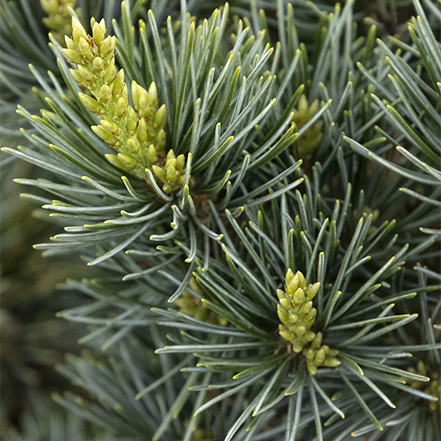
{"type": "Point", "coordinates": [411, 105]}
{"type": "Point", "coordinates": [47, 422]}
{"type": "Point", "coordinates": [269, 256]}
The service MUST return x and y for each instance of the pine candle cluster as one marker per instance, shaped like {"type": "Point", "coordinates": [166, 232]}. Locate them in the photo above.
{"type": "Point", "coordinates": [58, 19]}
{"type": "Point", "coordinates": [433, 388]}
{"type": "Point", "coordinates": [136, 133]}
{"type": "Point", "coordinates": [310, 140]}
{"type": "Point", "coordinates": [193, 306]}
{"type": "Point", "coordinates": [297, 314]}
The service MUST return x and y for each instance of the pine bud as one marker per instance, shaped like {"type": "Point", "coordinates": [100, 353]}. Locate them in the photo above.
{"type": "Point", "coordinates": [104, 93]}
{"type": "Point", "coordinates": [320, 357]}
{"type": "Point", "coordinates": [120, 107]}
{"type": "Point", "coordinates": [170, 173]}
{"type": "Point", "coordinates": [111, 127]}
{"type": "Point", "coordinates": [296, 347]}
{"type": "Point", "coordinates": [107, 47]}
{"type": "Point", "coordinates": [98, 64]}
{"type": "Point", "coordinates": [159, 172]}
{"type": "Point", "coordinates": [144, 102]}
{"type": "Point", "coordinates": [311, 315]}
{"type": "Point", "coordinates": [70, 44]}
{"type": "Point", "coordinates": [305, 308]}
{"type": "Point", "coordinates": [421, 368]}
{"type": "Point", "coordinates": [77, 76]}
{"type": "Point", "coordinates": [289, 277]}
{"type": "Point", "coordinates": [310, 139]}
{"type": "Point", "coordinates": [133, 146]}
{"type": "Point", "coordinates": [114, 160]}
{"type": "Point", "coordinates": [49, 6]}
{"type": "Point", "coordinates": [285, 303]}
{"type": "Point", "coordinates": [302, 280]}
{"type": "Point", "coordinates": [104, 134]}
{"type": "Point", "coordinates": [300, 330]}
{"type": "Point", "coordinates": [293, 318]}
{"type": "Point", "coordinates": [109, 73]}
{"type": "Point", "coordinates": [78, 30]}
{"type": "Point", "coordinates": [309, 336]}
{"type": "Point", "coordinates": [84, 48]}
{"type": "Point", "coordinates": [92, 104]}
{"type": "Point", "coordinates": [288, 335]}
{"type": "Point", "coordinates": [170, 162]}
{"type": "Point", "coordinates": [180, 162]}
{"type": "Point", "coordinates": [131, 121]}
{"type": "Point", "coordinates": [167, 188]}
{"type": "Point", "coordinates": [135, 94]}
{"type": "Point", "coordinates": [153, 94]}
{"type": "Point", "coordinates": [312, 290]}
{"type": "Point", "coordinates": [160, 116]}
{"type": "Point", "coordinates": [86, 73]}
{"type": "Point", "coordinates": [293, 284]}
{"type": "Point", "coordinates": [303, 104]}
{"type": "Point", "coordinates": [151, 154]}
{"type": "Point", "coordinates": [316, 343]}
{"type": "Point", "coordinates": [127, 160]}
{"type": "Point", "coordinates": [312, 368]}
{"type": "Point", "coordinates": [141, 131]}
{"type": "Point", "coordinates": [283, 314]}
{"type": "Point", "coordinates": [333, 352]}
{"type": "Point", "coordinates": [99, 31]}
{"type": "Point", "coordinates": [73, 56]}
{"type": "Point", "coordinates": [299, 296]}
{"type": "Point", "coordinates": [332, 362]}
{"type": "Point", "coordinates": [309, 354]}
{"type": "Point", "coordinates": [118, 84]}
